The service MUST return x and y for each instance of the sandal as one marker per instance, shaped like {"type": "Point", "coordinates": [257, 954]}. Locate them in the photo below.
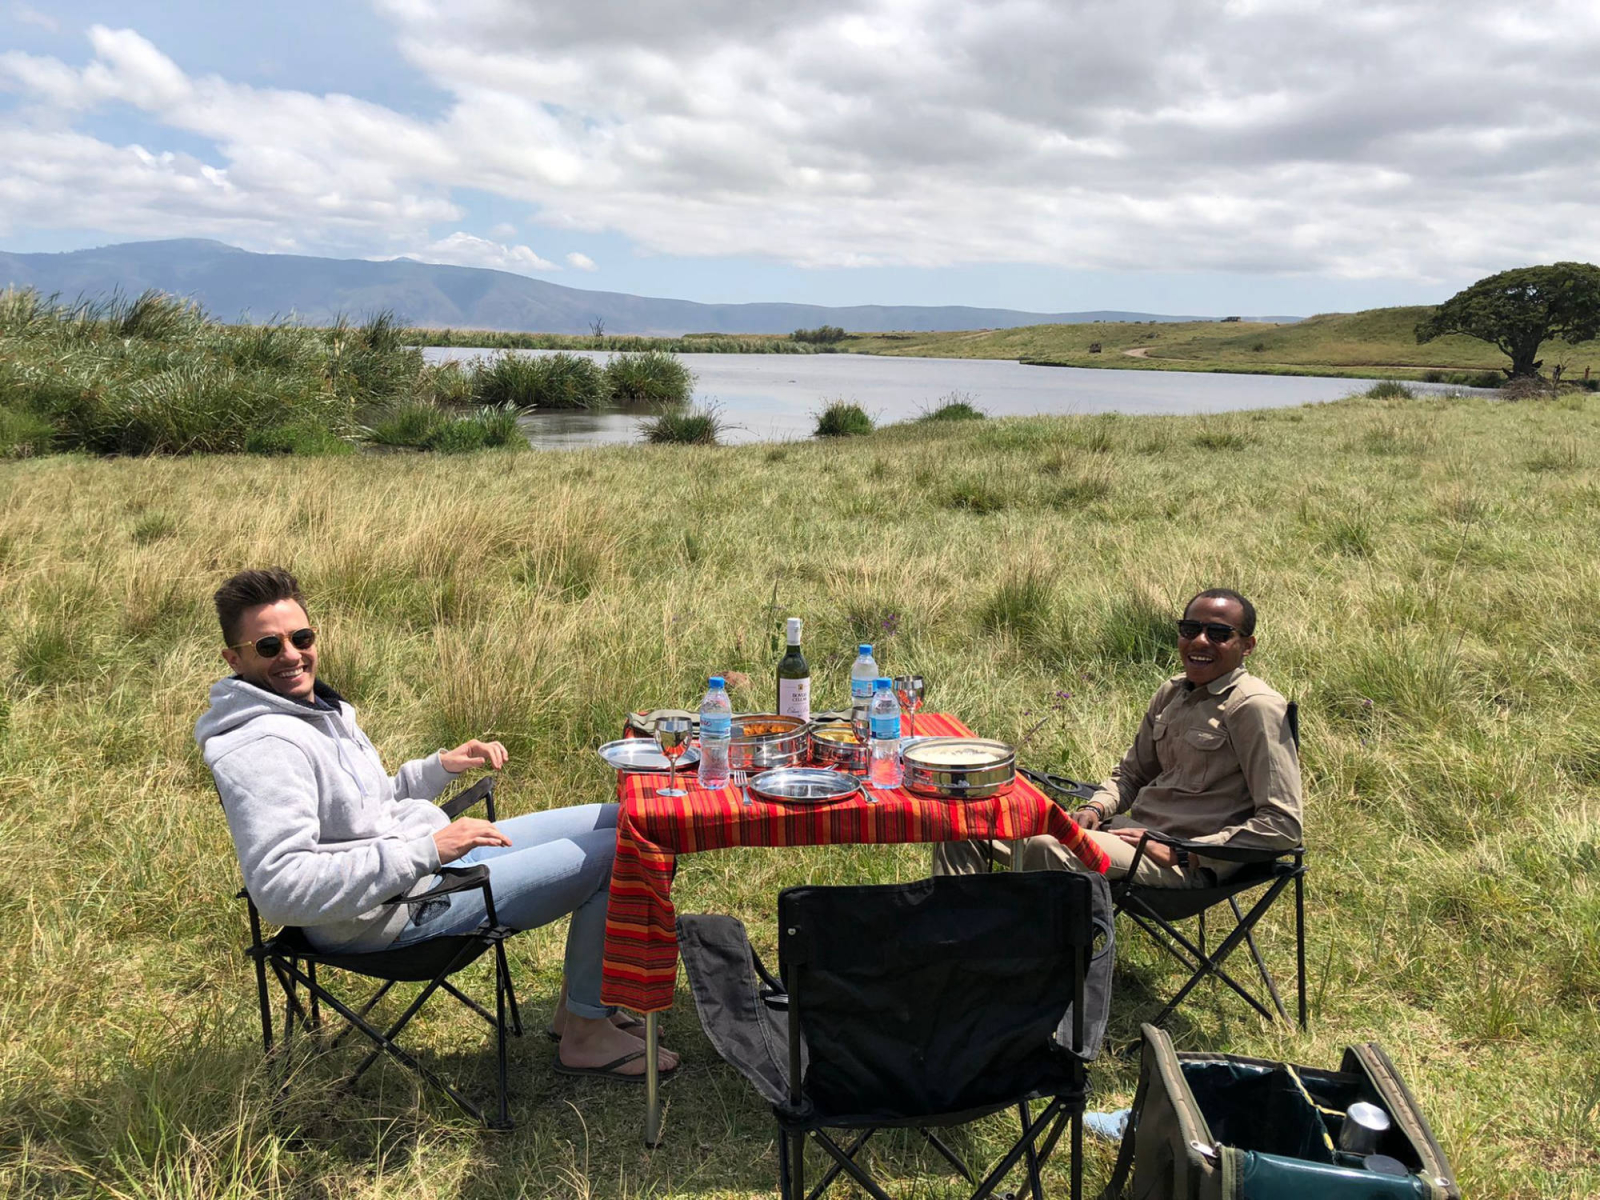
{"type": "Point", "coordinates": [609, 1070]}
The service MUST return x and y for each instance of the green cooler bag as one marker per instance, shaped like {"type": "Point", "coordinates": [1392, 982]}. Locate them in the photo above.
{"type": "Point", "coordinates": [1225, 1127]}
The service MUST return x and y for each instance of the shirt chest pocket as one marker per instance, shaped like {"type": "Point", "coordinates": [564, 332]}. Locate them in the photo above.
{"type": "Point", "coordinates": [1203, 757]}
{"type": "Point", "coordinates": [1205, 739]}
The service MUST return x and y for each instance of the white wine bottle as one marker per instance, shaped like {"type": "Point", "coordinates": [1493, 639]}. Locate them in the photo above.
{"type": "Point", "coordinates": [794, 678]}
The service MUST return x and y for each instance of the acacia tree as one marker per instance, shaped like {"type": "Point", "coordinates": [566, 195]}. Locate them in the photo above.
{"type": "Point", "coordinates": [1517, 310]}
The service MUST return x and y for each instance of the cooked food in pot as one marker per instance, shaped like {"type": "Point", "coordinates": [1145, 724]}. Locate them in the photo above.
{"type": "Point", "coordinates": [958, 755]}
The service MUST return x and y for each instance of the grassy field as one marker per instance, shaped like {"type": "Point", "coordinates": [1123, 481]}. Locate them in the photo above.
{"type": "Point", "coordinates": [1380, 341]}
{"type": "Point", "coordinates": [1427, 579]}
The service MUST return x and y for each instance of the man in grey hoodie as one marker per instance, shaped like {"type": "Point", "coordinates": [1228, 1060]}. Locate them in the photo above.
{"type": "Point", "coordinates": [325, 835]}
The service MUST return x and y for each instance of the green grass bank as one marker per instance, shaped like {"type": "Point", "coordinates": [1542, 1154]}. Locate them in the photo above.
{"type": "Point", "coordinates": [1427, 579]}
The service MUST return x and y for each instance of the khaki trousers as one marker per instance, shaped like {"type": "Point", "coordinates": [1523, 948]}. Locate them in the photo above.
{"type": "Point", "coordinates": [1044, 853]}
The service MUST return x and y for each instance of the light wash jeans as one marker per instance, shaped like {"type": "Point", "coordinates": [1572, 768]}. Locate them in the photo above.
{"type": "Point", "coordinates": [558, 862]}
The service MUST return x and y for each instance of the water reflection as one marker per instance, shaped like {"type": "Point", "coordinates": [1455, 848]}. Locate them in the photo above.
{"type": "Point", "coordinates": [775, 397]}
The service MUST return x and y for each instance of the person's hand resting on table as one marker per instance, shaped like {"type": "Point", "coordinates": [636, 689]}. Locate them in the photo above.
{"type": "Point", "coordinates": [468, 833]}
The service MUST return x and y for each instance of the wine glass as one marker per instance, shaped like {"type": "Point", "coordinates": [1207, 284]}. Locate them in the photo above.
{"type": "Point", "coordinates": [908, 690]}
{"type": "Point", "coordinates": [672, 735]}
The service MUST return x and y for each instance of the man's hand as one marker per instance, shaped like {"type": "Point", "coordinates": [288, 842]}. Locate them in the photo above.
{"type": "Point", "coordinates": [1159, 853]}
{"type": "Point", "coordinates": [467, 833]}
{"type": "Point", "coordinates": [1087, 817]}
{"type": "Point", "coordinates": [473, 754]}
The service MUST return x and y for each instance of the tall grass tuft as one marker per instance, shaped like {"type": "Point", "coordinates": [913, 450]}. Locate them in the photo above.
{"type": "Point", "coordinates": [843, 419]}
{"type": "Point", "coordinates": [552, 381]}
{"type": "Point", "coordinates": [696, 427]}
{"type": "Point", "coordinates": [954, 407]}
{"type": "Point", "coordinates": [649, 377]}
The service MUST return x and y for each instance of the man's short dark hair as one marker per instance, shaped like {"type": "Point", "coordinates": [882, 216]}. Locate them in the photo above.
{"type": "Point", "coordinates": [251, 589]}
{"type": "Point", "coordinates": [1247, 621]}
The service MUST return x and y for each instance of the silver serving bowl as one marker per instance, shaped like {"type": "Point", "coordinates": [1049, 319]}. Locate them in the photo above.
{"type": "Point", "coordinates": [763, 741]}
{"type": "Point", "coordinates": [955, 768]}
{"type": "Point", "coordinates": [834, 746]}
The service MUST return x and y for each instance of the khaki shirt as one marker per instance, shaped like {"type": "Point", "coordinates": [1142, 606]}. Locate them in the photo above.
{"type": "Point", "coordinates": [1214, 764]}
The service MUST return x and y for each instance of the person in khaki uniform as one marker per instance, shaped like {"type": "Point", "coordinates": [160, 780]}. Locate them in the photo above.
{"type": "Point", "coordinates": [1214, 761]}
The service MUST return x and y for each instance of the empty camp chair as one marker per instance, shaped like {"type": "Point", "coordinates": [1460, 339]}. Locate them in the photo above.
{"type": "Point", "coordinates": [915, 1005]}
{"type": "Point", "coordinates": [1158, 910]}
{"type": "Point", "coordinates": [296, 965]}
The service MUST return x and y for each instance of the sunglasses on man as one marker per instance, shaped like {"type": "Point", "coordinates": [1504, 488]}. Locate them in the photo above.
{"type": "Point", "coordinates": [1216, 632]}
{"type": "Point", "coordinates": [272, 645]}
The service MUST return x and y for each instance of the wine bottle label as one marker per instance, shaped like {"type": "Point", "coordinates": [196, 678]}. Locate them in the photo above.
{"type": "Point", "coordinates": [794, 698]}
{"type": "Point", "coordinates": [886, 727]}
{"type": "Point", "coordinates": [719, 726]}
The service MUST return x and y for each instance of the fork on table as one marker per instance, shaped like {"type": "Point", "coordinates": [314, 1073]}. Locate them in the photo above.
{"type": "Point", "coordinates": [739, 779]}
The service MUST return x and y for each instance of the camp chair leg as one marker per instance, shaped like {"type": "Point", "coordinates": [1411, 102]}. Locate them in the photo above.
{"type": "Point", "coordinates": [833, 1171]}
{"type": "Point", "coordinates": [504, 1119]}
{"type": "Point", "coordinates": [315, 1024]}
{"type": "Point", "coordinates": [265, 1000]}
{"type": "Point", "coordinates": [797, 1173]}
{"type": "Point", "coordinates": [385, 1043]}
{"type": "Point", "coordinates": [785, 1190]}
{"type": "Point", "coordinates": [503, 969]}
{"type": "Point", "coordinates": [1031, 1152]}
{"type": "Point", "coordinates": [372, 1002]}
{"type": "Point", "coordinates": [863, 1180]}
{"type": "Point", "coordinates": [1025, 1144]}
{"type": "Point", "coordinates": [388, 1039]}
{"type": "Point", "coordinates": [1212, 965]}
{"type": "Point", "coordinates": [1077, 1152]}
{"type": "Point", "coordinates": [1261, 966]}
{"type": "Point", "coordinates": [1165, 935]}
{"type": "Point", "coordinates": [1300, 942]}
{"type": "Point", "coordinates": [467, 1000]}
{"type": "Point", "coordinates": [950, 1156]}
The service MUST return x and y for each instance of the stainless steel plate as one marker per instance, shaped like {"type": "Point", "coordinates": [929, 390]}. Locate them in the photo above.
{"type": "Point", "coordinates": [804, 785]}
{"type": "Point", "coordinates": [642, 754]}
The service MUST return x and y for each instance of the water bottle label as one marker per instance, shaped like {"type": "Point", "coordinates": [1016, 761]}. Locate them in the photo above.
{"type": "Point", "coordinates": [719, 726]}
{"type": "Point", "coordinates": [886, 728]}
{"type": "Point", "coordinates": [861, 689]}
{"type": "Point", "coordinates": [794, 698]}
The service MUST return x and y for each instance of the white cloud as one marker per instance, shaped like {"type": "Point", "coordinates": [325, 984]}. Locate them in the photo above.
{"type": "Point", "coordinates": [465, 250]}
{"type": "Point", "coordinates": [504, 230]}
{"type": "Point", "coordinates": [581, 262]}
{"type": "Point", "coordinates": [1370, 139]}
{"type": "Point", "coordinates": [26, 15]}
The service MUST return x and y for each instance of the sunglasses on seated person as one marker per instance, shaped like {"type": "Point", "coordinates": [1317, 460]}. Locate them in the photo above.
{"type": "Point", "coordinates": [1216, 632]}
{"type": "Point", "coordinates": [272, 645]}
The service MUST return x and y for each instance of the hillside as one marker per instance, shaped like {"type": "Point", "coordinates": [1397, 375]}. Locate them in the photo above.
{"type": "Point", "coordinates": [235, 284]}
{"type": "Point", "coordinates": [1363, 343]}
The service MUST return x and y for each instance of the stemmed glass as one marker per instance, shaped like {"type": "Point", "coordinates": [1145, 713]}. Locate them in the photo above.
{"type": "Point", "coordinates": [908, 690]}
{"type": "Point", "coordinates": [861, 726]}
{"type": "Point", "coordinates": [672, 735]}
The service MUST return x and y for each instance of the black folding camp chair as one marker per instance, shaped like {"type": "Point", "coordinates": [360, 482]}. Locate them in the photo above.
{"type": "Point", "coordinates": [296, 963]}
{"type": "Point", "coordinates": [1158, 910]}
{"type": "Point", "coordinates": [916, 1005]}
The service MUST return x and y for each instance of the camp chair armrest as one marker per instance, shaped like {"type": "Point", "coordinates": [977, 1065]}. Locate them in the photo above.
{"type": "Point", "coordinates": [465, 799]}
{"type": "Point", "coordinates": [1061, 786]}
{"type": "Point", "coordinates": [450, 879]}
{"type": "Point", "coordinates": [1238, 854]}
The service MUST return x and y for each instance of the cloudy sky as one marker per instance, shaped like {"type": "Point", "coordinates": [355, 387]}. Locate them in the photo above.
{"type": "Point", "coordinates": [1251, 156]}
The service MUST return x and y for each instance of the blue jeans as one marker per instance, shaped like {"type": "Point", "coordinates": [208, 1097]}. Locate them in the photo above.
{"type": "Point", "coordinates": [558, 862]}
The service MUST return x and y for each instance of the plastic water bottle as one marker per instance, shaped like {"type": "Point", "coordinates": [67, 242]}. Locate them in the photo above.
{"type": "Point", "coordinates": [716, 728]}
{"type": "Point", "coordinates": [883, 765]}
{"type": "Point", "coordinates": [862, 672]}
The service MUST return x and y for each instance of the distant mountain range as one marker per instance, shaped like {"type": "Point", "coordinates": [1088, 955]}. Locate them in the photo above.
{"type": "Point", "coordinates": [234, 284]}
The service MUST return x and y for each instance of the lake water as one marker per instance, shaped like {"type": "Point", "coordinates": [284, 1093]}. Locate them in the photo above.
{"type": "Point", "coordinates": [775, 397]}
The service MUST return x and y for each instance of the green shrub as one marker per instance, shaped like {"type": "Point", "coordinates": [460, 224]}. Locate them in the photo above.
{"type": "Point", "coordinates": [301, 438]}
{"type": "Point", "coordinates": [840, 419]}
{"type": "Point", "coordinates": [980, 495]}
{"type": "Point", "coordinates": [412, 425]}
{"type": "Point", "coordinates": [823, 335]}
{"type": "Point", "coordinates": [445, 383]}
{"type": "Point", "coordinates": [697, 427]}
{"type": "Point", "coordinates": [954, 407]}
{"type": "Point", "coordinates": [649, 377]}
{"type": "Point", "coordinates": [24, 434]}
{"type": "Point", "coordinates": [1389, 389]}
{"type": "Point", "coordinates": [558, 381]}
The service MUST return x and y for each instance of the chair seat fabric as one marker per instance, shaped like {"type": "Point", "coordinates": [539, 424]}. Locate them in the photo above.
{"type": "Point", "coordinates": [1178, 904]}
{"type": "Point", "coordinates": [418, 962]}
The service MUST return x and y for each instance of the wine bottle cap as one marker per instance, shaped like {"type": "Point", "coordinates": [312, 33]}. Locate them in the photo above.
{"type": "Point", "coordinates": [881, 684]}
{"type": "Point", "coordinates": [716, 681]}
{"type": "Point", "coordinates": [794, 631]}
{"type": "Point", "coordinates": [864, 648]}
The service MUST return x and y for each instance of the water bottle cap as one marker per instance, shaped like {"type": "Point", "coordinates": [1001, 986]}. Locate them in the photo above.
{"type": "Point", "coordinates": [864, 648]}
{"type": "Point", "coordinates": [881, 683]}
{"type": "Point", "coordinates": [716, 681]}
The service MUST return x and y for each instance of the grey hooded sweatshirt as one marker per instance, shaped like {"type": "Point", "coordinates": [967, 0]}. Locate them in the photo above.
{"type": "Point", "coordinates": [324, 835]}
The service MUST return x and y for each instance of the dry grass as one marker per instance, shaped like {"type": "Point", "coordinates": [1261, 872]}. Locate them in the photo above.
{"type": "Point", "coordinates": [1427, 599]}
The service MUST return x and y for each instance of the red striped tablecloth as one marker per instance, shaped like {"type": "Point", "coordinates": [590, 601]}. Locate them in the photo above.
{"type": "Point", "coordinates": [641, 952]}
